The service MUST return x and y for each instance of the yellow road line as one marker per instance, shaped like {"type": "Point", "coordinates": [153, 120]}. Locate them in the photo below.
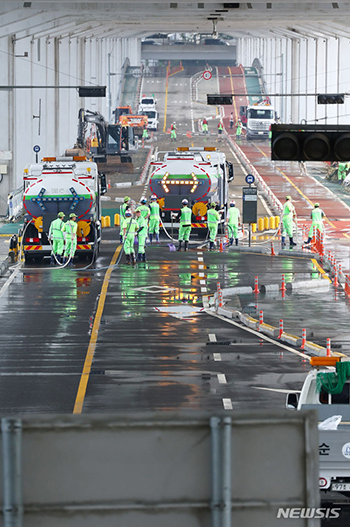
{"type": "Point", "coordinates": [175, 72]}
{"type": "Point", "coordinates": [320, 270]}
{"type": "Point", "coordinates": [233, 91]}
{"type": "Point", "coordinates": [79, 401]}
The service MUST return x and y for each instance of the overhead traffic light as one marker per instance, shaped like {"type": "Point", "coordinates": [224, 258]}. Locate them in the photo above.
{"type": "Point", "coordinates": [92, 91]}
{"type": "Point", "coordinates": [331, 98]}
{"type": "Point", "coordinates": [310, 142]}
{"type": "Point", "coordinates": [219, 99]}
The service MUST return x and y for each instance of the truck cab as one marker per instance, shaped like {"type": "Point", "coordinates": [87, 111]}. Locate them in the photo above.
{"type": "Point", "coordinates": [153, 119]}
{"type": "Point", "coordinates": [259, 120]}
{"type": "Point", "coordinates": [311, 395]}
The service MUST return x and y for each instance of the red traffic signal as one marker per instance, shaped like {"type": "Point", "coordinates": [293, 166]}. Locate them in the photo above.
{"type": "Point", "coordinates": [310, 142]}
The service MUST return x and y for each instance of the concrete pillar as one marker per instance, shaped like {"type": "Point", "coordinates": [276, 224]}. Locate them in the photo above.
{"type": "Point", "coordinates": [295, 79]}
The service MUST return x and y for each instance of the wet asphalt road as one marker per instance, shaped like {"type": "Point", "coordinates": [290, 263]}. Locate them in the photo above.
{"type": "Point", "coordinates": [156, 348]}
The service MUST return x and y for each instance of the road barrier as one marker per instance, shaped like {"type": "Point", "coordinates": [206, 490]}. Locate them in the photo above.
{"type": "Point", "coordinates": [283, 286]}
{"type": "Point", "coordinates": [303, 338]}
{"type": "Point", "coordinates": [280, 329]}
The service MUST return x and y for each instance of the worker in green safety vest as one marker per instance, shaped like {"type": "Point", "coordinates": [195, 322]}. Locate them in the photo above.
{"type": "Point", "coordinates": [173, 132]}
{"type": "Point", "coordinates": [342, 172]}
{"type": "Point", "coordinates": [154, 219]}
{"type": "Point", "coordinates": [317, 216]}
{"type": "Point", "coordinates": [213, 218]}
{"type": "Point", "coordinates": [123, 208]}
{"type": "Point", "coordinates": [233, 219]}
{"type": "Point", "coordinates": [220, 128]}
{"type": "Point", "coordinates": [145, 212]}
{"type": "Point", "coordinates": [129, 229]}
{"type": "Point", "coordinates": [57, 237]}
{"type": "Point", "coordinates": [141, 235]}
{"type": "Point", "coordinates": [185, 225]}
{"type": "Point", "coordinates": [288, 216]}
{"type": "Point", "coordinates": [239, 127]}
{"type": "Point", "coordinates": [70, 228]}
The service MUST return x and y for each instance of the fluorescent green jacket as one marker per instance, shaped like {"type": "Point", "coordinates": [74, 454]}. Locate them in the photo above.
{"type": "Point", "coordinates": [213, 216]}
{"type": "Point", "coordinates": [186, 214]}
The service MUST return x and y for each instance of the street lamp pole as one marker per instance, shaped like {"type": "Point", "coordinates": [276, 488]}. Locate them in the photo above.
{"type": "Point", "coordinates": [109, 87]}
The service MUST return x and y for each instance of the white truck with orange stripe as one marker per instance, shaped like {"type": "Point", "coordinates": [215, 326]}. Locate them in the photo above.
{"type": "Point", "coordinates": [61, 184]}
{"type": "Point", "coordinates": [199, 174]}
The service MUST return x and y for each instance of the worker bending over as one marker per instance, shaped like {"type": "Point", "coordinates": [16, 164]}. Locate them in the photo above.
{"type": "Point", "coordinates": [185, 225]}
{"type": "Point", "coordinates": [317, 216]}
{"type": "Point", "coordinates": [289, 215]}
{"type": "Point", "coordinates": [56, 236]}
{"type": "Point", "coordinates": [233, 222]}
{"type": "Point", "coordinates": [213, 218]}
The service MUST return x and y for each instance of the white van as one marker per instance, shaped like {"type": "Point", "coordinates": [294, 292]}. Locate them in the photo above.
{"type": "Point", "coordinates": [146, 104]}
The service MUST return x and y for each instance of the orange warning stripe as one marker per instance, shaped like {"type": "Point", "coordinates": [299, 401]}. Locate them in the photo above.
{"type": "Point", "coordinates": [80, 247]}
{"type": "Point", "coordinates": [198, 224]}
{"type": "Point", "coordinates": [33, 247]}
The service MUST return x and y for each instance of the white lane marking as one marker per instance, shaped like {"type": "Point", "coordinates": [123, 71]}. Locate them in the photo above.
{"type": "Point", "coordinates": [222, 378]}
{"type": "Point", "coordinates": [212, 337]}
{"type": "Point", "coordinates": [201, 267]}
{"type": "Point", "coordinates": [279, 390]}
{"type": "Point", "coordinates": [200, 258]}
{"type": "Point", "coordinates": [204, 290]}
{"type": "Point", "coordinates": [227, 404]}
{"type": "Point", "coordinates": [8, 281]}
{"type": "Point", "coordinates": [202, 282]}
{"type": "Point", "coordinates": [217, 356]}
{"type": "Point", "coordinates": [201, 275]}
{"type": "Point", "coordinates": [200, 254]}
{"type": "Point", "coordinates": [260, 335]}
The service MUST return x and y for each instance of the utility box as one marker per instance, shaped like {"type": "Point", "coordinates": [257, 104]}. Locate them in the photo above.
{"type": "Point", "coordinates": [250, 204]}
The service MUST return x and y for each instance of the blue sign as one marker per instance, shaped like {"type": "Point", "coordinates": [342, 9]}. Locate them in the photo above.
{"type": "Point", "coordinates": [250, 179]}
{"type": "Point", "coordinates": [36, 148]}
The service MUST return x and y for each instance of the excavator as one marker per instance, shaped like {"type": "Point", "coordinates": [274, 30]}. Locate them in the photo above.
{"type": "Point", "coordinates": [107, 140]}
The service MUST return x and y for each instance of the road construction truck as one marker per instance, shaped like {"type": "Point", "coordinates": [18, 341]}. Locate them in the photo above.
{"type": "Point", "coordinates": [257, 120]}
{"type": "Point", "coordinates": [199, 174]}
{"type": "Point", "coordinates": [61, 184]}
{"type": "Point", "coordinates": [326, 389]}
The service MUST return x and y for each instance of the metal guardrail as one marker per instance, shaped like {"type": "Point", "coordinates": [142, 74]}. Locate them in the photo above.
{"type": "Point", "coordinates": [15, 204]}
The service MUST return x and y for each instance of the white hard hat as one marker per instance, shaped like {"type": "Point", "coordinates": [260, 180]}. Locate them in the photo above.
{"type": "Point", "coordinates": [184, 201]}
{"type": "Point", "coordinates": [232, 203]}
